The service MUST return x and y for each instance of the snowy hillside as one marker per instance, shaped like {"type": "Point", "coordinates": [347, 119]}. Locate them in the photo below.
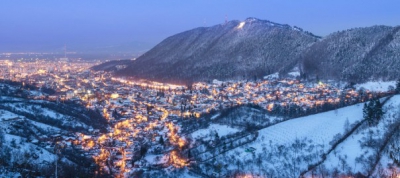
{"type": "Point", "coordinates": [379, 86]}
{"type": "Point", "coordinates": [359, 153]}
{"type": "Point", "coordinates": [37, 135]}
{"type": "Point", "coordinates": [327, 143]}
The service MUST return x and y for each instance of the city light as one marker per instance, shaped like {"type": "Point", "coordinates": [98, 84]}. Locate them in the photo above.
{"type": "Point", "coordinates": [141, 112]}
{"type": "Point", "coordinates": [241, 24]}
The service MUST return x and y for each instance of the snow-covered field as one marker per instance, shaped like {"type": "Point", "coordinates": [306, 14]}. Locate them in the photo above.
{"type": "Point", "coordinates": [21, 147]}
{"type": "Point", "coordinates": [294, 74]}
{"type": "Point", "coordinates": [351, 150]}
{"type": "Point", "coordinates": [46, 127]}
{"type": "Point", "coordinates": [6, 115]}
{"type": "Point", "coordinates": [272, 76]}
{"type": "Point", "coordinates": [286, 149]}
{"type": "Point", "coordinates": [210, 131]}
{"type": "Point", "coordinates": [320, 128]}
{"type": "Point", "coordinates": [379, 86]}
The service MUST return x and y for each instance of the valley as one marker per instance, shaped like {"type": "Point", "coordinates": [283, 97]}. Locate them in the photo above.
{"type": "Point", "coordinates": [207, 129]}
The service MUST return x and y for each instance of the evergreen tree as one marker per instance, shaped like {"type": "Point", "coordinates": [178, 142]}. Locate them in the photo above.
{"type": "Point", "coordinates": [216, 137]}
{"type": "Point", "coordinates": [368, 112]}
{"type": "Point", "coordinates": [398, 86]}
{"type": "Point", "coordinates": [189, 154]}
{"type": "Point", "coordinates": [143, 151]}
{"type": "Point", "coordinates": [378, 112]}
{"type": "Point", "coordinates": [161, 141]}
{"type": "Point", "coordinates": [373, 112]}
{"type": "Point", "coordinates": [365, 111]}
{"type": "Point", "coordinates": [2, 139]}
{"type": "Point", "coordinates": [361, 93]}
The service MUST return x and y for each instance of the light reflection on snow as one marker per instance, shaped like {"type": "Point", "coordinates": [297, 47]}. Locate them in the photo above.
{"type": "Point", "coordinates": [241, 24]}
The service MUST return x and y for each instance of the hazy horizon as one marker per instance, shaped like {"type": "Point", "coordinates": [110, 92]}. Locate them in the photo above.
{"type": "Point", "coordinates": [139, 25]}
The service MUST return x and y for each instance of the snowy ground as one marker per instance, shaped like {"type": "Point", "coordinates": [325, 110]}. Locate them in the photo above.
{"type": "Point", "coordinates": [286, 149]}
{"type": "Point", "coordinates": [294, 74]}
{"type": "Point", "coordinates": [40, 111]}
{"type": "Point", "coordinates": [210, 131]}
{"type": "Point", "coordinates": [29, 129]}
{"type": "Point", "coordinates": [22, 147]}
{"type": "Point", "coordinates": [6, 115]}
{"type": "Point", "coordinates": [297, 142]}
{"type": "Point", "coordinates": [272, 76]}
{"type": "Point", "coordinates": [351, 150]}
{"type": "Point", "coordinates": [47, 127]}
{"type": "Point", "coordinates": [156, 159]}
{"type": "Point", "coordinates": [376, 86]}
{"type": "Point", "coordinates": [320, 128]}
{"type": "Point", "coordinates": [215, 116]}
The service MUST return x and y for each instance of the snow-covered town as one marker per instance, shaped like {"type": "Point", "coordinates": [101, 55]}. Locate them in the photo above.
{"type": "Point", "coordinates": [145, 117]}
{"type": "Point", "coordinates": [200, 89]}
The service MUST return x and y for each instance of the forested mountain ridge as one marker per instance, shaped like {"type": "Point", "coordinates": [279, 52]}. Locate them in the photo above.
{"type": "Point", "coordinates": [233, 50]}
{"type": "Point", "coordinates": [255, 48]}
{"type": "Point", "coordinates": [357, 55]}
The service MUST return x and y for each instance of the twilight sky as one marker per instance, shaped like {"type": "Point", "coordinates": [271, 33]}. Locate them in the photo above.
{"type": "Point", "coordinates": [48, 24]}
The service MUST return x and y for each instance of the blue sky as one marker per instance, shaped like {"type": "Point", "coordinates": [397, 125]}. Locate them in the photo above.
{"type": "Point", "coordinates": [90, 23]}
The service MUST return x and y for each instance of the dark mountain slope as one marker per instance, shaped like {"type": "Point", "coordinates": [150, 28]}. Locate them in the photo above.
{"type": "Point", "coordinates": [225, 51]}
{"type": "Point", "coordinates": [255, 48]}
{"type": "Point", "coordinates": [356, 55]}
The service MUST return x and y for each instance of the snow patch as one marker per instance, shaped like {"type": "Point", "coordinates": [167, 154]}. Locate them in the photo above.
{"type": "Point", "coordinates": [294, 74]}
{"type": "Point", "coordinates": [222, 130]}
{"type": "Point", "coordinates": [215, 116]}
{"type": "Point", "coordinates": [379, 86]}
{"type": "Point", "coordinates": [272, 76]}
{"type": "Point", "coordinates": [217, 82]}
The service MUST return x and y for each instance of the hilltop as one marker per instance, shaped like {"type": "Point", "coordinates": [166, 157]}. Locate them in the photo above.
{"type": "Point", "coordinates": [254, 48]}
{"type": "Point", "coordinates": [233, 50]}
{"type": "Point", "coordinates": [357, 55]}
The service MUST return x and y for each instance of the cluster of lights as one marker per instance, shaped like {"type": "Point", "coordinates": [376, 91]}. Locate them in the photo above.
{"type": "Point", "coordinates": [176, 160]}
{"type": "Point", "coordinates": [174, 137]}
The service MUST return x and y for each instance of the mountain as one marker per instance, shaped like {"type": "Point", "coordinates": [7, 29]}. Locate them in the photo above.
{"type": "Point", "coordinates": [247, 49]}
{"type": "Point", "coordinates": [356, 55]}
{"type": "Point", "coordinates": [254, 48]}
